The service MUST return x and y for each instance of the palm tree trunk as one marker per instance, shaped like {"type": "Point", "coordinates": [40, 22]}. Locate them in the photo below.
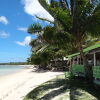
{"type": "Point", "coordinates": [87, 67]}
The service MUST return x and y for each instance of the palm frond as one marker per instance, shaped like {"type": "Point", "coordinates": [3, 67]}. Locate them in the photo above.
{"type": "Point", "coordinates": [44, 19]}
{"type": "Point", "coordinates": [34, 28]}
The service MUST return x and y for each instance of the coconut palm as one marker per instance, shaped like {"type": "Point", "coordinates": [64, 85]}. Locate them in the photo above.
{"type": "Point", "coordinates": [47, 46]}
{"type": "Point", "coordinates": [74, 18]}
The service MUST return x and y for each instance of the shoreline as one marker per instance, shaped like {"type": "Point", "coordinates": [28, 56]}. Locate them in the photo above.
{"type": "Point", "coordinates": [17, 71]}
{"type": "Point", "coordinates": [17, 85]}
{"type": "Point", "coordinates": [14, 73]}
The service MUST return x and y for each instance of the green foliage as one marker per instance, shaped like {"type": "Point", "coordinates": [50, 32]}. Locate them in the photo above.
{"type": "Point", "coordinates": [54, 4]}
{"type": "Point", "coordinates": [49, 34]}
{"type": "Point", "coordinates": [73, 23]}
{"type": "Point", "coordinates": [40, 58]}
{"type": "Point", "coordinates": [94, 27]}
{"type": "Point", "coordinates": [64, 18]}
{"type": "Point", "coordinates": [36, 60]}
{"type": "Point", "coordinates": [34, 28]}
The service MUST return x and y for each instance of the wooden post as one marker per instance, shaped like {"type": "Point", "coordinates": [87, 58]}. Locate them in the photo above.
{"type": "Point", "coordinates": [73, 62]}
{"type": "Point", "coordinates": [77, 60]}
{"type": "Point", "coordinates": [94, 59]}
{"type": "Point", "coordinates": [80, 61]}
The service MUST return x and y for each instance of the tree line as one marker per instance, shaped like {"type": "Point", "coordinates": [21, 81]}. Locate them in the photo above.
{"type": "Point", "coordinates": [14, 63]}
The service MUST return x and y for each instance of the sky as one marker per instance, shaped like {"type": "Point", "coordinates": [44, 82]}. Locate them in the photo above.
{"type": "Point", "coordinates": [15, 17]}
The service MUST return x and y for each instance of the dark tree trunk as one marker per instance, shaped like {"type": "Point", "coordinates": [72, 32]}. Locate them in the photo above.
{"type": "Point", "coordinates": [87, 67]}
{"type": "Point", "coordinates": [88, 70]}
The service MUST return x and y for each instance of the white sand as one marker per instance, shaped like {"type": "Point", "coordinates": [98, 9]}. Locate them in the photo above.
{"type": "Point", "coordinates": [16, 86]}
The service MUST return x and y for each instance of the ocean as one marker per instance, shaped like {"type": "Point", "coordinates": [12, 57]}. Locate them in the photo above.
{"type": "Point", "coordinates": [10, 69]}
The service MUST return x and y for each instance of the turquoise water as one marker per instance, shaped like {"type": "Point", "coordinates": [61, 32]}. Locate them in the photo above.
{"type": "Point", "coordinates": [10, 69]}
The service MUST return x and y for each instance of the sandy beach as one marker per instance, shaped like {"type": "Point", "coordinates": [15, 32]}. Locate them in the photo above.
{"type": "Point", "coordinates": [16, 86]}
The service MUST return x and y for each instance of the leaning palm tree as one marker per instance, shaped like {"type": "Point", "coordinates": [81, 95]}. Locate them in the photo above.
{"type": "Point", "coordinates": [39, 43]}
{"type": "Point", "coordinates": [78, 18]}
{"type": "Point", "coordinates": [47, 43]}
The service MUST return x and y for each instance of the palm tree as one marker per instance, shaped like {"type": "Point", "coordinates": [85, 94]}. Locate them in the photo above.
{"type": "Point", "coordinates": [47, 46]}
{"type": "Point", "coordinates": [75, 21]}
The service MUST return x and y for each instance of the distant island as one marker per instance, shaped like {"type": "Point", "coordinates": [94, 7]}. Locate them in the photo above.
{"type": "Point", "coordinates": [14, 63]}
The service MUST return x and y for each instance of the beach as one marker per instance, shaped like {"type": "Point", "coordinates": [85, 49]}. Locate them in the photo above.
{"type": "Point", "coordinates": [16, 86]}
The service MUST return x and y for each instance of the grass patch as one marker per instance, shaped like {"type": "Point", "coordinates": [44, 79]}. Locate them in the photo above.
{"type": "Point", "coordinates": [64, 89]}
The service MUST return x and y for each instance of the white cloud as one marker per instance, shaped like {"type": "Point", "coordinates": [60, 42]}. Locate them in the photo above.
{"type": "Point", "coordinates": [3, 20]}
{"type": "Point", "coordinates": [4, 34]}
{"type": "Point", "coordinates": [26, 41]}
{"type": "Point", "coordinates": [24, 29]}
{"type": "Point", "coordinates": [33, 7]}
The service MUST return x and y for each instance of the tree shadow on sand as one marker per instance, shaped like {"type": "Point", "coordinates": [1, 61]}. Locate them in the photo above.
{"type": "Point", "coordinates": [41, 70]}
{"type": "Point", "coordinates": [50, 89]}
{"type": "Point", "coordinates": [77, 88]}
{"type": "Point", "coordinates": [78, 85]}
